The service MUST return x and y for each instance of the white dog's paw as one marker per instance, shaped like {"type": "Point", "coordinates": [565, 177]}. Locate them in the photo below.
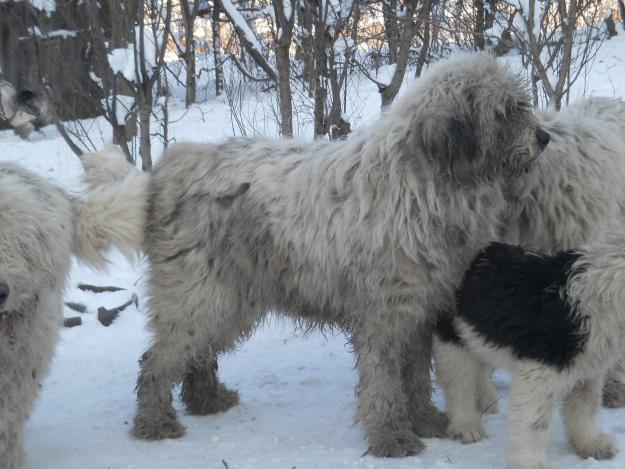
{"type": "Point", "coordinates": [467, 432]}
{"type": "Point", "coordinates": [602, 446]}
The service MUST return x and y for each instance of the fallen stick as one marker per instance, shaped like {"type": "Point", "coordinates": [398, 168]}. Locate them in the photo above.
{"type": "Point", "coordinates": [96, 289]}
{"type": "Point", "coordinates": [107, 316]}
{"type": "Point", "coordinates": [72, 322]}
{"type": "Point", "coordinates": [78, 307]}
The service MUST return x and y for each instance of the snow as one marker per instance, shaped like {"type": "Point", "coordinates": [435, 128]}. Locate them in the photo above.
{"type": "Point", "coordinates": [122, 60]}
{"type": "Point", "coordinates": [297, 392]}
{"type": "Point", "coordinates": [62, 33]}
{"type": "Point", "coordinates": [47, 6]}
{"type": "Point", "coordinates": [288, 8]}
{"type": "Point", "coordinates": [524, 11]}
{"type": "Point", "coordinates": [343, 45]}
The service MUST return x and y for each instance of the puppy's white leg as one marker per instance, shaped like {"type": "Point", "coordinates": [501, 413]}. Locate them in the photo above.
{"type": "Point", "coordinates": [533, 396]}
{"type": "Point", "coordinates": [580, 411]}
{"type": "Point", "coordinates": [486, 393]}
{"type": "Point", "coordinates": [457, 374]}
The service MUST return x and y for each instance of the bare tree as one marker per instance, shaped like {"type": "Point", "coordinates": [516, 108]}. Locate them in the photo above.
{"type": "Point", "coordinates": [412, 19]}
{"type": "Point", "coordinates": [184, 40]}
{"type": "Point", "coordinates": [285, 20]}
{"type": "Point", "coordinates": [281, 26]}
{"type": "Point", "coordinates": [217, 56]}
{"type": "Point", "coordinates": [150, 44]}
{"type": "Point", "coordinates": [554, 48]}
{"type": "Point", "coordinates": [334, 31]}
{"type": "Point", "coordinates": [392, 28]}
{"type": "Point", "coordinates": [407, 28]}
{"type": "Point", "coordinates": [120, 36]}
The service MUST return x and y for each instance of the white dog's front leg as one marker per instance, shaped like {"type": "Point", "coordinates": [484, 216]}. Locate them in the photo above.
{"type": "Point", "coordinates": [580, 411]}
{"type": "Point", "coordinates": [457, 373]}
{"type": "Point", "coordinates": [533, 396]}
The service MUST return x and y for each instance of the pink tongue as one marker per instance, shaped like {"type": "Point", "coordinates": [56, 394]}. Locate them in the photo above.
{"type": "Point", "coordinates": [4, 320]}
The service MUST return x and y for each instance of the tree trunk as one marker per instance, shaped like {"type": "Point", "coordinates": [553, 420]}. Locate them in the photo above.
{"type": "Point", "coordinates": [191, 83]}
{"type": "Point", "coordinates": [478, 31]}
{"type": "Point", "coordinates": [321, 67]}
{"type": "Point", "coordinates": [145, 144]}
{"type": "Point", "coordinates": [489, 14]}
{"type": "Point", "coordinates": [389, 13]}
{"type": "Point", "coordinates": [569, 36]}
{"type": "Point", "coordinates": [610, 25]}
{"type": "Point", "coordinates": [621, 9]}
{"type": "Point", "coordinates": [389, 92]}
{"type": "Point", "coordinates": [283, 63]}
{"type": "Point", "coordinates": [188, 18]}
{"type": "Point", "coordinates": [216, 28]}
{"type": "Point", "coordinates": [284, 33]}
{"type": "Point", "coordinates": [425, 16]}
{"type": "Point", "coordinates": [307, 44]}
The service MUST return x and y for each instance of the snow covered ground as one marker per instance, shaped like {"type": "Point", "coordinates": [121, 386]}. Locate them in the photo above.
{"type": "Point", "coordinates": [297, 401]}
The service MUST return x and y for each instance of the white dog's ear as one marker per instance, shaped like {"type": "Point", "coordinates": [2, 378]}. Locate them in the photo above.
{"type": "Point", "coordinates": [449, 136]}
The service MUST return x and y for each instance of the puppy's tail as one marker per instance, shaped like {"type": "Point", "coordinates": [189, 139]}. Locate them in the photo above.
{"type": "Point", "coordinates": [114, 210]}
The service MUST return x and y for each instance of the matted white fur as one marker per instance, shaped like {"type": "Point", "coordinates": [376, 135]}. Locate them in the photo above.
{"type": "Point", "coordinates": [576, 192]}
{"type": "Point", "coordinates": [40, 227]}
{"type": "Point", "coordinates": [597, 291]}
{"type": "Point", "coordinates": [106, 166]}
{"type": "Point", "coordinates": [573, 195]}
{"type": "Point", "coordinates": [113, 212]}
{"type": "Point", "coordinates": [370, 235]}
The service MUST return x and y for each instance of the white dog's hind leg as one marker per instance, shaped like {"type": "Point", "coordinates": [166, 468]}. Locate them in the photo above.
{"type": "Point", "coordinates": [580, 411]}
{"type": "Point", "coordinates": [533, 395]}
{"type": "Point", "coordinates": [614, 386]}
{"type": "Point", "coordinates": [457, 373]}
{"type": "Point", "coordinates": [486, 393]}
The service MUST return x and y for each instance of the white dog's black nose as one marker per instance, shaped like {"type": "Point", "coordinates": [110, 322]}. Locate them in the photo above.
{"type": "Point", "coordinates": [4, 293]}
{"type": "Point", "coordinates": [542, 137]}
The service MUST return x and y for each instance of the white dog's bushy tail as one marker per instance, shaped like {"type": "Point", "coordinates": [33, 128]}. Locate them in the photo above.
{"type": "Point", "coordinates": [114, 210]}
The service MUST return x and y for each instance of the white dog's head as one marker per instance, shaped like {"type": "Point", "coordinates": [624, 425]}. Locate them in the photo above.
{"type": "Point", "coordinates": [472, 119]}
{"type": "Point", "coordinates": [35, 242]}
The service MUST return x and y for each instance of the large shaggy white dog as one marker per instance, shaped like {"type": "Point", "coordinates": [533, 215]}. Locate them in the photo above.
{"type": "Point", "coordinates": [370, 235]}
{"type": "Point", "coordinates": [40, 227]}
{"type": "Point", "coordinates": [557, 323]}
{"type": "Point", "coordinates": [575, 193]}
{"type": "Point", "coordinates": [571, 197]}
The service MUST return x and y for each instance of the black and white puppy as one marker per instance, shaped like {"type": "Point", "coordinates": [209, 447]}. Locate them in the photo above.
{"type": "Point", "coordinates": [557, 323]}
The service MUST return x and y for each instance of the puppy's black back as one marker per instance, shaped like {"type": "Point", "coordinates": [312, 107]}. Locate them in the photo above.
{"type": "Point", "coordinates": [517, 299]}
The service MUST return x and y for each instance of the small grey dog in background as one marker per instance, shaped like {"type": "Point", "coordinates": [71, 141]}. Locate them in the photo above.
{"type": "Point", "coordinates": [41, 226]}
{"type": "Point", "coordinates": [25, 110]}
{"type": "Point", "coordinates": [370, 235]}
